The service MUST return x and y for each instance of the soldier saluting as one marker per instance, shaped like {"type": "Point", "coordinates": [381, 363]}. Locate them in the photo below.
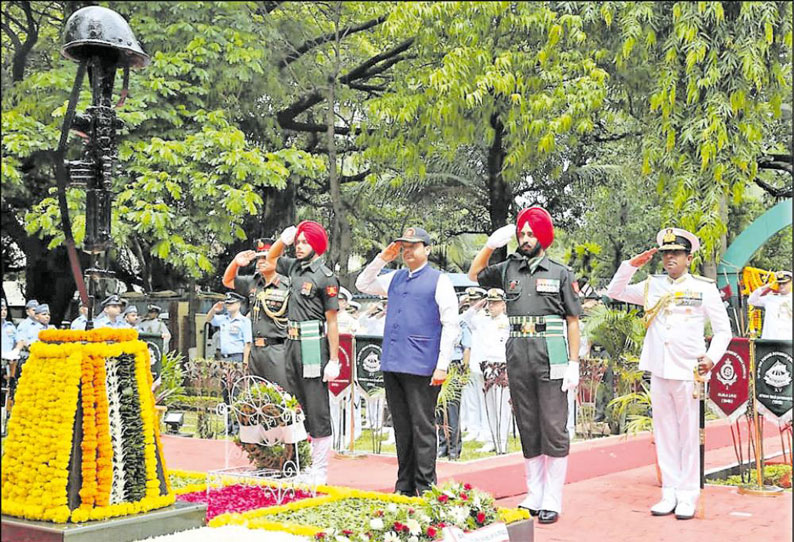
{"type": "Point", "coordinates": [312, 333]}
{"type": "Point", "coordinates": [542, 351]}
{"type": "Point", "coordinates": [267, 293]}
{"type": "Point", "coordinates": [676, 307]}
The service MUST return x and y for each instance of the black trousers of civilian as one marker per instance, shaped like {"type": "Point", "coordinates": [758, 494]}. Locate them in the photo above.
{"type": "Point", "coordinates": [449, 440]}
{"type": "Point", "coordinates": [412, 402]}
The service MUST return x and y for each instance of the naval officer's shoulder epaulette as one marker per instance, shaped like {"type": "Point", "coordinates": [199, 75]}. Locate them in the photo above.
{"type": "Point", "coordinates": [704, 279]}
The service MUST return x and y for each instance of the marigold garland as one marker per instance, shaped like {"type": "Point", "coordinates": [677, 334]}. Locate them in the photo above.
{"type": "Point", "coordinates": [35, 470]}
{"type": "Point", "coordinates": [102, 334]}
{"type": "Point", "coordinates": [88, 491]}
{"type": "Point", "coordinates": [36, 464]}
{"type": "Point", "coordinates": [147, 415]}
{"type": "Point", "coordinates": [104, 460]}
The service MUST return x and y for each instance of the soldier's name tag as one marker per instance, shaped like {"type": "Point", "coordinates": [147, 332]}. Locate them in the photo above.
{"type": "Point", "coordinates": [547, 286]}
{"type": "Point", "coordinates": [306, 288]}
{"type": "Point", "coordinates": [688, 298]}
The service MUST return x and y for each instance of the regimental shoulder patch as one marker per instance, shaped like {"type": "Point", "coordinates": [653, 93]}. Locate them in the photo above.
{"type": "Point", "coordinates": [575, 285]}
{"type": "Point", "coordinates": [331, 291]}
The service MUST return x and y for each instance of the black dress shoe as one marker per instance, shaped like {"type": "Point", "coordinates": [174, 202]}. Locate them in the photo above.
{"type": "Point", "coordinates": [548, 516]}
{"type": "Point", "coordinates": [532, 512]}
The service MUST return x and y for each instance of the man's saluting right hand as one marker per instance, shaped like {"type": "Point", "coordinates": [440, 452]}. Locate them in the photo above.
{"type": "Point", "coordinates": [501, 237]}
{"type": "Point", "coordinates": [389, 253]}
{"type": "Point", "coordinates": [641, 259]}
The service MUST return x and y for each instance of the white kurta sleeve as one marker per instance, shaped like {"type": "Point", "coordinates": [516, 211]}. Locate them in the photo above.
{"type": "Point", "coordinates": [620, 289]}
{"type": "Point", "coordinates": [447, 303]}
{"type": "Point", "coordinates": [369, 282]}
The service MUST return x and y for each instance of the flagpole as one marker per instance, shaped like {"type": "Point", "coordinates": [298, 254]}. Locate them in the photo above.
{"type": "Point", "coordinates": [762, 490]}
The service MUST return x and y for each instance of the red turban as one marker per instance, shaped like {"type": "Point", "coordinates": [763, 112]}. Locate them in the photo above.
{"type": "Point", "coordinates": [540, 222]}
{"type": "Point", "coordinates": [315, 235]}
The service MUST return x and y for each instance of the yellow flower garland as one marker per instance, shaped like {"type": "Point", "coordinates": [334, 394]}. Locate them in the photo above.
{"type": "Point", "coordinates": [257, 519]}
{"type": "Point", "coordinates": [36, 460]}
{"type": "Point", "coordinates": [88, 491]}
{"type": "Point", "coordinates": [104, 460]}
{"type": "Point", "coordinates": [36, 464]}
{"type": "Point", "coordinates": [102, 334]}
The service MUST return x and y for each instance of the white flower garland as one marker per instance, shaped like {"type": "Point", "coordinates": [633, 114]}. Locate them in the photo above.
{"type": "Point", "coordinates": [114, 412]}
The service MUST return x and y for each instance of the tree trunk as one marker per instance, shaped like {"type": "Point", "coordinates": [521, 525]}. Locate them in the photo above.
{"type": "Point", "coordinates": [341, 241]}
{"type": "Point", "coordinates": [709, 267]}
{"type": "Point", "coordinates": [500, 195]}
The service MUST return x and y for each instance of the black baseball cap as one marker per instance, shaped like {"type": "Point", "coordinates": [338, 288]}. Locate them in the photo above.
{"type": "Point", "coordinates": [415, 235]}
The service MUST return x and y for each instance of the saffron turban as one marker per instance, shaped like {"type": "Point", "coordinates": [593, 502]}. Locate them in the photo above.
{"type": "Point", "coordinates": [540, 223]}
{"type": "Point", "coordinates": [315, 235]}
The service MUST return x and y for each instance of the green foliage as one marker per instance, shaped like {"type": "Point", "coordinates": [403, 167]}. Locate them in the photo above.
{"type": "Point", "coordinates": [723, 72]}
{"type": "Point", "coordinates": [618, 331]}
{"type": "Point", "coordinates": [620, 117]}
{"type": "Point", "coordinates": [170, 385]}
{"type": "Point", "coordinates": [190, 176]}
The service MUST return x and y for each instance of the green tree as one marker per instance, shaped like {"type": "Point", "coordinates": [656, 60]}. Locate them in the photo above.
{"type": "Point", "coordinates": [498, 93]}
{"type": "Point", "coordinates": [721, 76]}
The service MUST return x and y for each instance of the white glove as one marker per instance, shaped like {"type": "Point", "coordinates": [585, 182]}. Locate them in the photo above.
{"type": "Point", "coordinates": [571, 378]}
{"type": "Point", "coordinates": [288, 235]}
{"type": "Point", "coordinates": [331, 371]}
{"type": "Point", "coordinates": [501, 237]}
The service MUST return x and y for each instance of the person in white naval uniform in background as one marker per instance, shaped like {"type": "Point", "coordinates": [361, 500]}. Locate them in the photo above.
{"type": "Point", "coordinates": [777, 307]}
{"type": "Point", "coordinates": [676, 308]}
{"type": "Point", "coordinates": [493, 331]}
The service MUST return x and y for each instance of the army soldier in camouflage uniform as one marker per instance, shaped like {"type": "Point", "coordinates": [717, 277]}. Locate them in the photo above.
{"type": "Point", "coordinates": [267, 293]}
{"type": "Point", "coordinates": [542, 352]}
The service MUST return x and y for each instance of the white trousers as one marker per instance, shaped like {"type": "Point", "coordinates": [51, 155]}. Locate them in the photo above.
{"type": "Point", "coordinates": [675, 429]}
{"type": "Point", "coordinates": [321, 452]}
{"type": "Point", "coordinates": [340, 418]}
{"type": "Point", "coordinates": [571, 423]}
{"type": "Point", "coordinates": [375, 406]}
{"type": "Point", "coordinates": [545, 478]}
{"type": "Point", "coordinates": [473, 417]}
{"type": "Point", "coordinates": [497, 408]}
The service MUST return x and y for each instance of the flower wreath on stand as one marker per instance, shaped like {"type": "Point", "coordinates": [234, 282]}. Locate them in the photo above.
{"type": "Point", "coordinates": [271, 426]}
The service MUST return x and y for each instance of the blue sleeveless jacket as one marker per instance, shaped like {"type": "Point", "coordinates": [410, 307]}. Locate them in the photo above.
{"type": "Point", "coordinates": [412, 333]}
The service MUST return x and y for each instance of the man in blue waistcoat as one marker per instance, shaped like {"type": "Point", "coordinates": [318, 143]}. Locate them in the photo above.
{"type": "Point", "coordinates": [418, 340]}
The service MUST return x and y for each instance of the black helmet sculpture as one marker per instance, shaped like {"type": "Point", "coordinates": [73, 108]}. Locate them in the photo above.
{"type": "Point", "coordinates": [94, 27]}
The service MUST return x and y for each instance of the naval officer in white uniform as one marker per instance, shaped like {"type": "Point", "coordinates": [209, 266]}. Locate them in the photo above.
{"type": "Point", "coordinates": [677, 305]}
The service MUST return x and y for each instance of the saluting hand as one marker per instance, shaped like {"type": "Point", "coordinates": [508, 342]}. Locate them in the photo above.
{"type": "Point", "coordinates": [501, 237]}
{"type": "Point", "coordinates": [244, 258]}
{"type": "Point", "coordinates": [389, 253]}
{"type": "Point", "coordinates": [641, 259]}
{"type": "Point", "coordinates": [217, 307]}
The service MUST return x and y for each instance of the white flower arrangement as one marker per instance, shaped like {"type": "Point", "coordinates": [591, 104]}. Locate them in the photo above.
{"type": "Point", "coordinates": [114, 412]}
